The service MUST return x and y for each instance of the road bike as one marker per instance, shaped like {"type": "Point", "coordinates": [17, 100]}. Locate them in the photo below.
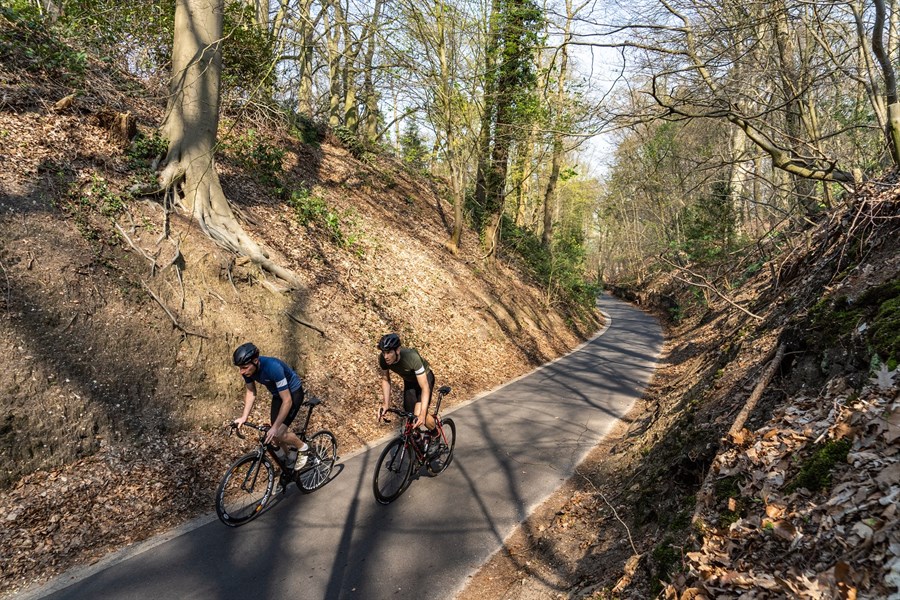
{"type": "Point", "coordinates": [411, 450]}
{"type": "Point", "coordinates": [249, 483]}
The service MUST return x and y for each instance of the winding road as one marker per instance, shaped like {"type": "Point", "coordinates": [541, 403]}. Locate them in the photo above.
{"type": "Point", "coordinates": [515, 446]}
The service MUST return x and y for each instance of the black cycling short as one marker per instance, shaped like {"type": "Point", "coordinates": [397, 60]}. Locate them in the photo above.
{"type": "Point", "coordinates": [412, 392]}
{"type": "Point", "coordinates": [296, 401]}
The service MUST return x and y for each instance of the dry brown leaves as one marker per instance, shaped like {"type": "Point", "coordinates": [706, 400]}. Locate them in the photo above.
{"type": "Point", "coordinates": [842, 543]}
{"type": "Point", "coordinates": [81, 512]}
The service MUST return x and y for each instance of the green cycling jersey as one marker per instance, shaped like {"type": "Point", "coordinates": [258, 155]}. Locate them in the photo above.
{"type": "Point", "coordinates": [409, 366]}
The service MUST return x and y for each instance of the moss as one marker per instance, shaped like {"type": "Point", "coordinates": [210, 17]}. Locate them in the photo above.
{"type": "Point", "coordinates": [879, 306]}
{"type": "Point", "coordinates": [878, 295]}
{"type": "Point", "coordinates": [835, 318]}
{"type": "Point", "coordinates": [727, 517]}
{"type": "Point", "coordinates": [728, 487]}
{"type": "Point", "coordinates": [665, 559]}
{"type": "Point", "coordinates": [885, 331]}
{"type": "Point", "coordinates": [681, 521]}
{"type": "Point", "coordinates": [815, 472]}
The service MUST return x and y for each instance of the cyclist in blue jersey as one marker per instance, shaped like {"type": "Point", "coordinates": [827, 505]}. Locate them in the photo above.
{"type": "Point", "coordinates": [287, 396]}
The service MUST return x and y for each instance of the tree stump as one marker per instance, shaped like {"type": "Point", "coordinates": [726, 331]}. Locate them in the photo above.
{"type": "Point", "coordinates": [121, 126]}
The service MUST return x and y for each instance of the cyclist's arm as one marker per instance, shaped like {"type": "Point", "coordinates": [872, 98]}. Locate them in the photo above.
{"type": "Point", "coordinates": [286, 403]}
{"type": "Point", "coordinates": [422, 378]}
{"type": "Point", "coordinates": [249, 399]}
{"type": "Point", "coordinates": [385, 389]}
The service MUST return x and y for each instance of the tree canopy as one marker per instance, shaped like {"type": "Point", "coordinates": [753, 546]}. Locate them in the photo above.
{"type": "Point", "coordinates": [729, 122]}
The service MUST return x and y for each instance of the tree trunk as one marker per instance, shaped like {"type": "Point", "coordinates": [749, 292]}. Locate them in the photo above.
{"type": "Point", "coordinates": [524, 171]}
{"type": "Point", "coordinates": [305, 55]}
{"type": "Point", "coordinates": [513, 68]}
{"type": "Point", "coordinates": [550, 193]}
{"type": "Point", "coordinates": [459, 198]}
{"type": "Point", "coordinates": [738, 176]}
{"type": "Point", "coordinates": [486, 134]}
{"type": "Point", "coordinates": [348, 73]}
{"type": "Point", "coordinates": [792, 86]}
{"type": "Point", "coordinates": [890, 82]}
{"type": "Point", "coordinates": [191, 125]}
{"type": "Point", "coordinates": [333, 43]}
{"type": "Point", "coordinates": [261, 11]}
{"type": "Point", "coordinates": [556, 161]}
{"type": "Point", "coordinates": [370, 96]}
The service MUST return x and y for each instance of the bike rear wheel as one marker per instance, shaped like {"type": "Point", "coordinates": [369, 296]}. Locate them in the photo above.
{"type": "Point", "coordinates": [322, 456]}
{"type": "Point", "coordinates": [439, 462]}
{"type": "Point", "coordinates": [392, 472]}
{"type": "Point", "coordinates": [245, 489]}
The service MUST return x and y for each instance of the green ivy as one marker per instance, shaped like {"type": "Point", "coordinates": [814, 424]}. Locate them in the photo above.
{"type": "Point", "coordinates": [145, 149]}
{"type": "Point", "coordinates": [312, 210]}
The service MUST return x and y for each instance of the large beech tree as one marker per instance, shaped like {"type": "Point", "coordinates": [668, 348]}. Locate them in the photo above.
{"type": "Point", "coordinates": [189, 171]}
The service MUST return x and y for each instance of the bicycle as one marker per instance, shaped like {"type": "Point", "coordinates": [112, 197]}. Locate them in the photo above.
{"type": "Point", "coordinates": [248, 484]}
{"type": "Point", "coordinates": [406, 454]}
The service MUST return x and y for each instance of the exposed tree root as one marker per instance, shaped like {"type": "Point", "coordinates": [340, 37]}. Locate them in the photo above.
{"type": "Point", "coordinates": [304, 323]}
{"type": "Point", "coordinates": [175, 322]}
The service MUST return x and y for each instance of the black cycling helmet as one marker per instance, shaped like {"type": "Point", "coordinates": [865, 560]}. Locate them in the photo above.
{"type": "Point", "coordinates": [244, 354]}
{"type": "Point", "coordinates": [390, 341]}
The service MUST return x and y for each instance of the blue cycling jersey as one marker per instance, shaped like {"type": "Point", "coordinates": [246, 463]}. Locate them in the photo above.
{"type": "Point", "coordinates": [275, 375]}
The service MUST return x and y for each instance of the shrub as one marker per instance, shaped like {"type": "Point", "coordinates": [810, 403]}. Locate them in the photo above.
{"type": "Point", "coordinates": [259, 157]}
{"type": "Point", "coordinates": [145, 149]}
{"type": "Point", "coordinates": [560, 269]}
{"type": "Point", "coordinates": [30, 45]}
{"type": "Point", "coordinates": [350, 141]}
{"type": "Point", "coordinates": [313, 210]}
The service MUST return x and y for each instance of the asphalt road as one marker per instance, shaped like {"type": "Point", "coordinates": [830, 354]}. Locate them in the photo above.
{"type": "Point", "coordinates": [515, 446]}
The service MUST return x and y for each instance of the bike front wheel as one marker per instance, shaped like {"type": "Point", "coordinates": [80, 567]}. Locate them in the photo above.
{"type": "Point", "coordinates": [245, 489]}
{"type": "Point", "coordinates": [322, 456]}
{"type": "Point", "coordinates": [392, 472]}
{"type": "Point", "coordinates": [442, 458]}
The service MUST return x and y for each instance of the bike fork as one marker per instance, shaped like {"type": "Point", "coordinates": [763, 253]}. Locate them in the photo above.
{"type": "Point", "coordinates": [249, 483]}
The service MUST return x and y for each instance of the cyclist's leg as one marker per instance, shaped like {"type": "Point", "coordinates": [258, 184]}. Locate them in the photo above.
{"type": "Point", "coordinates": [412, 399]}
{"type": "Point", "coordinates": [284, 437]}
{"type": "Point", "coordinates": [410, 396]}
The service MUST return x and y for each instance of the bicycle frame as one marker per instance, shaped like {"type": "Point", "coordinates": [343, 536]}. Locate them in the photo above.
{"type": "Point", "coordinates": [250, 481]}
{"type": "Point", "coordinates": [406, 433]}
{"type": "Point", "coordinates": [271, 449]}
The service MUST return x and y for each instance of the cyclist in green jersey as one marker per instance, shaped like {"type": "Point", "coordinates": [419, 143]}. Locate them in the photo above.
{"type": "Point", "coordinates": [418, 380]}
